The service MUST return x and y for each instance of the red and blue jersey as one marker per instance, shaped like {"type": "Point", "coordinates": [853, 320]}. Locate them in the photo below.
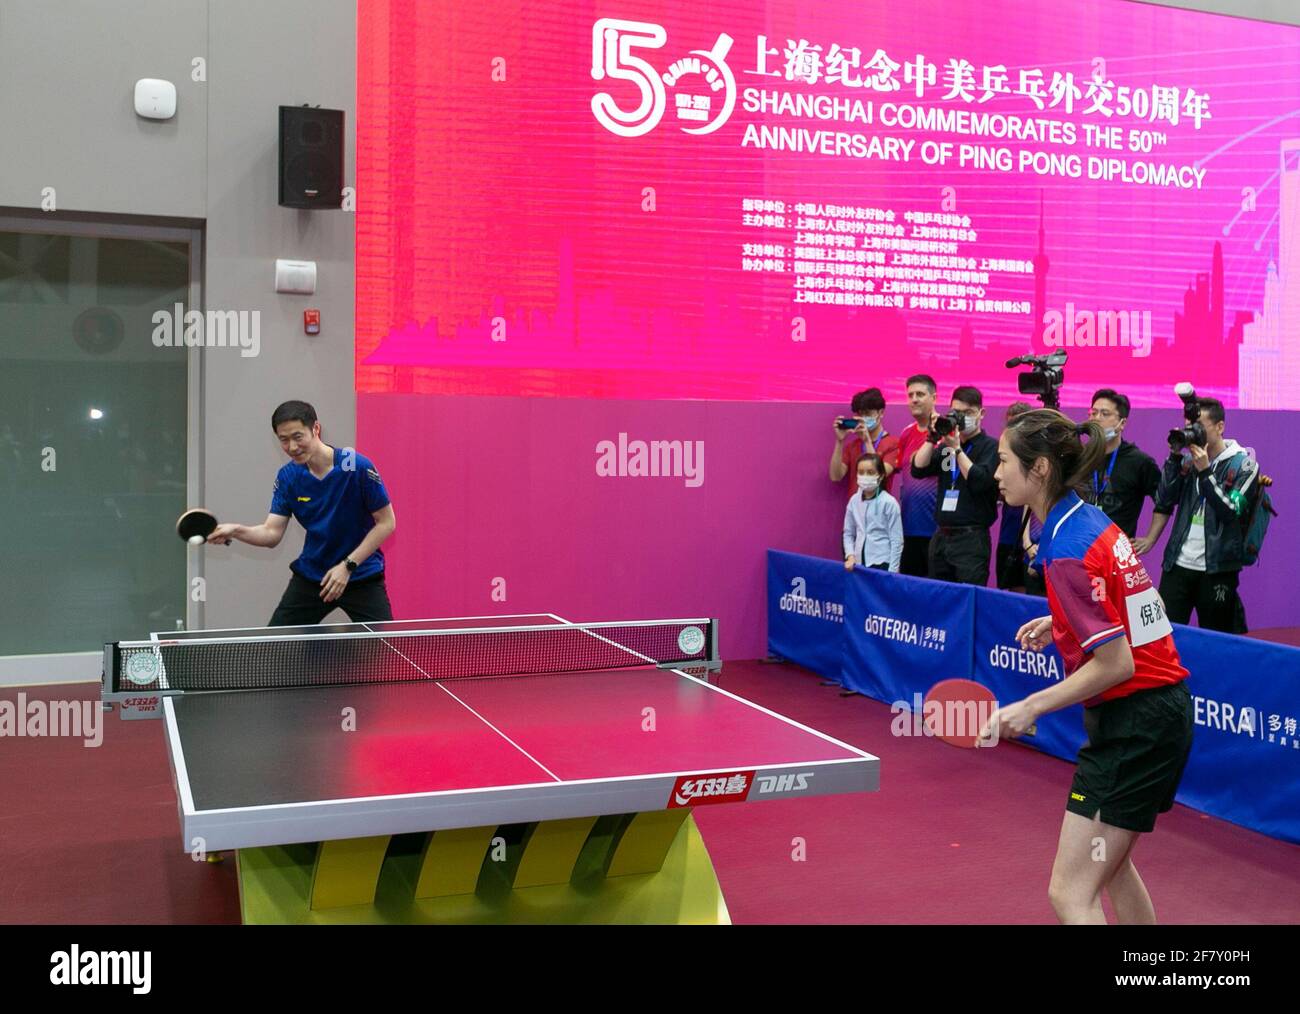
{"type": "Point", "coordinates": [1098, 590]}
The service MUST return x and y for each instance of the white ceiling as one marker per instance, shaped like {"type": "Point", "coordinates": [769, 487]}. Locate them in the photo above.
{"type": "Point", "coordinates": [1282, 11]}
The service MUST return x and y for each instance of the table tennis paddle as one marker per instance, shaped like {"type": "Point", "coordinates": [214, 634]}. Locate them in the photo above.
{"type": "Point", "coordinates": [952, 707]}
{"type": "Point", "coordinates": [195, 525]}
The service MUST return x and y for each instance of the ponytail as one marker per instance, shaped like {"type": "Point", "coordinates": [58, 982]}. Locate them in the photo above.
{"type": "Point", "coordinates": [1090, 455]}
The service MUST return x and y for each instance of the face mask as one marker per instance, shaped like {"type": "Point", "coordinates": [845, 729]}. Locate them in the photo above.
{"type": "Point", "coordinates": [871, 423]}
{"type": "Point", "coordinates": [970, 423]}
{"type": "Point", "coordinates": [1112, 433]}
{"type": "Point", "coordinates": [868, 483]}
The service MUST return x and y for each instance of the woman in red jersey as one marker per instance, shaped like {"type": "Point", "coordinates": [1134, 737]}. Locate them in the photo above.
{"type": "Point", "coordinates": [1109, 624]}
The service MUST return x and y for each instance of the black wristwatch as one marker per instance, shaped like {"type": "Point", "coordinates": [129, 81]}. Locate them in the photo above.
{"type": "Point", "coordinates": [351, 564]}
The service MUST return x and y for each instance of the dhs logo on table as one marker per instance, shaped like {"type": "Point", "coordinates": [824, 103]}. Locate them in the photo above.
{"type": "Point", "coordinates": [784, 785]}
{"type": "Point", "coordinates": [718, 787]}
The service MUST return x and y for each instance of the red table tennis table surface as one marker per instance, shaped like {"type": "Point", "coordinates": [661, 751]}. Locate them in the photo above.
{"type": "Point", "coordinates": [270, 767]}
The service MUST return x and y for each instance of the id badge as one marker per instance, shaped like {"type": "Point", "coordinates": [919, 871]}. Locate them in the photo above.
{"type": "Point", "coordinates": [950, 500]}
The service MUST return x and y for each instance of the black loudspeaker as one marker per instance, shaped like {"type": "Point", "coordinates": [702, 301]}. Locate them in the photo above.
{"type": "Point", "coordinates": [311, 157]}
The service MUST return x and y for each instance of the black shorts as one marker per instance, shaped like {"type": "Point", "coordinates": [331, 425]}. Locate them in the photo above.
{"type": "Point", "coordinates": [364, 601]}
{"type": "Point", "coordinates": [1137, 748]}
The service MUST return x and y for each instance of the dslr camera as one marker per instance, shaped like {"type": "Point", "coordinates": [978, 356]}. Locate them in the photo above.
{"type": "Point", "coordinates": [945, 424]}
{"type": "Point", "coordinates": [1191, 432]}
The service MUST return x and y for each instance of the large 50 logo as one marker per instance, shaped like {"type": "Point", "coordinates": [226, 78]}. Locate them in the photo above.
{"type": "Point", "coordinates": [697, 77]}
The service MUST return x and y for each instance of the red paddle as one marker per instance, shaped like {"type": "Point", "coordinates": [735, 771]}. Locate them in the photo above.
{"type": "Point", "coordinates": [194, 526]}
{"type": "Point", "coordinates": [955, 711]}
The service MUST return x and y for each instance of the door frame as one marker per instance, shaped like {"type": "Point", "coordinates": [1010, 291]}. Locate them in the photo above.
{"type": "Point", "coordinates": [84, 666]}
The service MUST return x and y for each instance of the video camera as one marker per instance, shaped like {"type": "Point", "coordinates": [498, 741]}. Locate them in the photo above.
{"type": "Point", "coordinates": [1193, 433]}
{"type": "Point", "coordinates": [1046, 377]}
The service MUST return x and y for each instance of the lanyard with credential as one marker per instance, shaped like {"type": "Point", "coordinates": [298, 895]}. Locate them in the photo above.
{"type": "Point", "coordinates": [1105, 482]}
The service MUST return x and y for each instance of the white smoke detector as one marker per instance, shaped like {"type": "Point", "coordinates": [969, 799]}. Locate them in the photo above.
{"type": "Point", "coordinates": [155, 99]}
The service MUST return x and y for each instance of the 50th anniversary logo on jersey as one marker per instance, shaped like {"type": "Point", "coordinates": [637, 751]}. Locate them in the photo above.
{"type": "Point", "coordinates": [704, 88]}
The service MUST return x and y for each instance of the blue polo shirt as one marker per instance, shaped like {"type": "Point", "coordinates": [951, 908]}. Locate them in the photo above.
{"type": "Point", "coordinates": [335, 511]}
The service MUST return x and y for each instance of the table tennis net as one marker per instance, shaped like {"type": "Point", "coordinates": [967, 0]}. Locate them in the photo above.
{"type": "Point", "coordinates": [271, 662]}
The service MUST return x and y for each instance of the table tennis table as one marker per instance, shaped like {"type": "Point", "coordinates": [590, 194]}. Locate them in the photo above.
{"type": "Point", "coordinates": [465, 769]}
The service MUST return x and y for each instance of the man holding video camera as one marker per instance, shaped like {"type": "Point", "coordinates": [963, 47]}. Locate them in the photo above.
{"type": "Point", "coordinates": [1210, 481]}
{"type": "Point", "coordinates": [964, 459]}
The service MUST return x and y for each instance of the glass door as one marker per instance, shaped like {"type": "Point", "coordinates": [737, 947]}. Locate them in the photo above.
{"type": "Point", "coordinates": [95, 431]}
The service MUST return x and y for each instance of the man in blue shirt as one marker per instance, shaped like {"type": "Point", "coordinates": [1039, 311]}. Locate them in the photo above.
{"type": "Point", "coordinates": [337, 496]}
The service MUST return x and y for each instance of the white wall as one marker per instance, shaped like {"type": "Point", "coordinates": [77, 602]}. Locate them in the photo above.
{"type": "Point", "coordinates": [67, 73]}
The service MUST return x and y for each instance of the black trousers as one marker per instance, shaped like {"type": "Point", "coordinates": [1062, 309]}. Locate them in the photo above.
{"type": "Point", "coordinates": [301, 604]}
{"type": "Point", "coordinates": [961, 555]}
{"type": "Point", "coordinates": [916, 556]}
{"type": "Point", "coordinates": [1213, 596]}
{"type": "Point", "coordinates": [1010, 566]}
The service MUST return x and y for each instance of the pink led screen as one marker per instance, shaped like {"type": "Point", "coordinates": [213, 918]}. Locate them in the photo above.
{"type": "Point", "coordinates": [773, 201]}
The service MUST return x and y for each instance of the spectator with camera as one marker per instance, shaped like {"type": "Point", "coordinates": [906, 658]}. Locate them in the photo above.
{"type": "Point", "coordinates": [916, 496]}
{"type": "Point", "coordinates": [863, 432]}
{"type": "Point", "coordinates": [1211, 482]}
{"type": "Point", "coordinates": [873, 525]}
{"type": "Point", "coordinates": [964, 459]}
{"type": "Point", "coordinates": [1129, 476]}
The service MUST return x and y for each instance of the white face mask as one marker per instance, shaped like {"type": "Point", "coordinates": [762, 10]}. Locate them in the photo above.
{"type": "Point", "coordinates": [1112, 433]}
{"type": "Point", "coordinates": [868, 483]}
{"type": "Point", "coordinates": [871, 422]}
{"type": "Point", "coordinates": [969, 425]}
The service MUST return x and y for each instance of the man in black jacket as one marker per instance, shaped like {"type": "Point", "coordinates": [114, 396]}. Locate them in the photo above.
{"type": "Point", "coordinates": [1128, 475]}
{"type": "Point", "coordinates": [1212, 488]}
{"type": "Point", "coordinates": [967, 504]}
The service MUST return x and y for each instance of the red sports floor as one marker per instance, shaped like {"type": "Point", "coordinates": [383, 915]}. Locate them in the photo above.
{"type": "Point", "coordinates": [954, 836]}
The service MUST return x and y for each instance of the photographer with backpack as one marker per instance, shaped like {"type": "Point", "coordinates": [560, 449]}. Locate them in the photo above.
{"type": "Point", "coordinates": [1221, 510]}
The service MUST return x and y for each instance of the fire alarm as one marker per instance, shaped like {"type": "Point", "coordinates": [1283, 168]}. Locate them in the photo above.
{"type": "Point", "coordinates": [311, 321]}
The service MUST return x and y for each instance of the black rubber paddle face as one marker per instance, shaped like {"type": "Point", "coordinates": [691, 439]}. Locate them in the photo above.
{"type": "Point", "coordinates": [196, 522]}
